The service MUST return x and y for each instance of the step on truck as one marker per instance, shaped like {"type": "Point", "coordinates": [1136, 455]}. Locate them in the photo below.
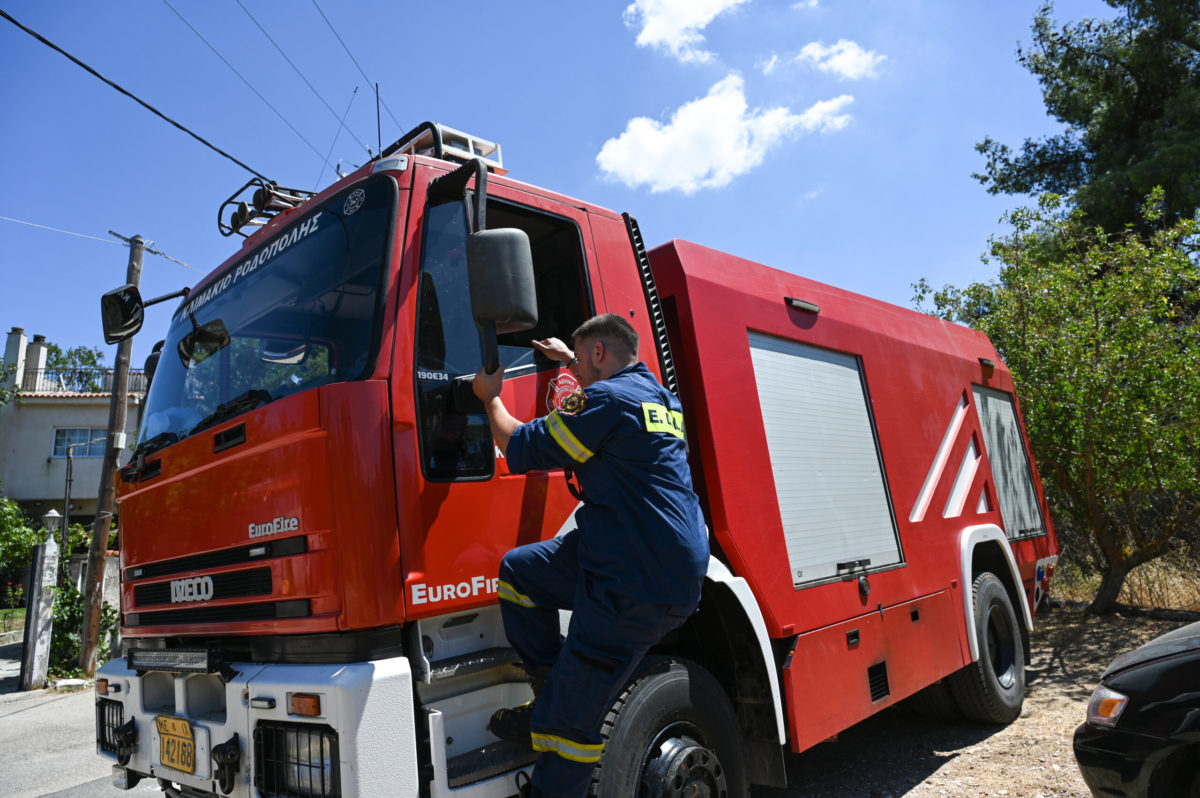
{"type": "Point", "coordinates": [313, 518]}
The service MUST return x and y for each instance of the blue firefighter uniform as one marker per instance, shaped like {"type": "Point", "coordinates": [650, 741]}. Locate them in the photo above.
{"type": "Point", "coordinates": [630, 572]}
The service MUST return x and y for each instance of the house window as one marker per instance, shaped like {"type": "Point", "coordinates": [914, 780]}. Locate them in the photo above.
{"type": "Point", "coordinates": [67, 436]}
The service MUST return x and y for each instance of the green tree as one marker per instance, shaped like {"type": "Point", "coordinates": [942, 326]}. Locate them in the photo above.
{"type": "Point", "coordinates": [17, 539]}
{"type": "Point", "coordinates": [7, 392]}
{"type": "Point", "coordinates": [1128, 92]}
{"type": "Point", "coordinates": [78, 368]}
{"type": "Point", "coordinates": [1105, 352]}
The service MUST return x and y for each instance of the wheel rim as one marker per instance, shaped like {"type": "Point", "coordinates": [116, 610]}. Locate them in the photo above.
{"type": "Point", "coordinates": [1001, 648]}
{"type": "Point", "coordinates": [678, 765]}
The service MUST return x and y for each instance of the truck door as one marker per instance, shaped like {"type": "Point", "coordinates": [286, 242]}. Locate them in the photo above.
{"type": "Point", "coordinates": [468, 509]}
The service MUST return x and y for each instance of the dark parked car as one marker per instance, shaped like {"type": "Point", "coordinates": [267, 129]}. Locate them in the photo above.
{"type": "Point", "coordinates": [1142, 734]}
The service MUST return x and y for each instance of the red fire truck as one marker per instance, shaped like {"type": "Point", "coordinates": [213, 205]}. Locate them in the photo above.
{"type": "Point", "coordinates": [312, 521]}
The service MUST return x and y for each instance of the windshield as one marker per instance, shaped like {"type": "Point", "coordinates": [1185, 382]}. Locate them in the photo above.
{"type": "Point", "coordinates": [298, 312]}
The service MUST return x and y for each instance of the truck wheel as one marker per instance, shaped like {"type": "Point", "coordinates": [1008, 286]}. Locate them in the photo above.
{"type": "Point", "coordinates": [672, 732]}
{"type": "Point", "coordinates": [992, 689]}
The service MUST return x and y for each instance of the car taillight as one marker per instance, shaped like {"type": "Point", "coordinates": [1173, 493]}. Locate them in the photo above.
{"type": "Point", "coordinates": [1105, 706]}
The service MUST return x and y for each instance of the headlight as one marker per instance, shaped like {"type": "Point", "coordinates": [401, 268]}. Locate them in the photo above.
{"type": "Point", "coordinates": [294, 759]}
{"type": "Point", "coordinates": [1105, 706]}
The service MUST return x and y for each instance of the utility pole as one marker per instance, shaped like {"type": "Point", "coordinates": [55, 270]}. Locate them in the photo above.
{"type": "Point", "coordinates": [117, 411]}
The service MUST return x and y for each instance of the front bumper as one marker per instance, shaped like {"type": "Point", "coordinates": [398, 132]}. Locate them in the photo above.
{"type": "Point", "coordinates": [366, 707]}
{"type": "Point", "coordinates": [1117, 762]}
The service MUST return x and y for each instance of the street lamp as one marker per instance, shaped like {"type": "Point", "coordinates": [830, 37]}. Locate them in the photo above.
{"type": "Point", "coordinates": [51, 520]}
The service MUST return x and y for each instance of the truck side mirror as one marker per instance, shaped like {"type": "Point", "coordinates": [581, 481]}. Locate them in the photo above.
{"type": "Point", "coordinates": [503, 293]}
{"type": "Point", "coordinates": [122, 313]}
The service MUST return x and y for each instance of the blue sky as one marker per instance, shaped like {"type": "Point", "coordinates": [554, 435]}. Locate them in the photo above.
{"type": "Point", "coordinates": [830, 138]}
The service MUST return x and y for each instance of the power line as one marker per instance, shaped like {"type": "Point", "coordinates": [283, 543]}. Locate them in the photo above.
{"type": "Point", "coordinates": [342, 121]}
{"type": "Point", "coordinates": [243, 79]}
{"type": "Point", "coordinates": [130, 95]}
{"type": "Point", "coordinates": [96, 238]}
{"type": "Point", "coordinates": [352, 58]}
{"type": "Point", "coordinates": [146, 245]}
{"type": "Point", "coordinates": [335, 138]}
{"type": "Point", "coordinates": [56, 230]}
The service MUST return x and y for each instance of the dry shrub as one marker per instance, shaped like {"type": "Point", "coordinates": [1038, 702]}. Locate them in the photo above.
{"type": "Point", "coordinates": [1168, 582]}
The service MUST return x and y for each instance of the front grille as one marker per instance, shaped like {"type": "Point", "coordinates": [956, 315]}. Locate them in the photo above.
{"type": "Point", "coordinates": [219, 558]}
{"type": "Point", "coordinates": [231, 613]}
{"type": "Point", "coordinates": [109, 715]}
{"type": "Point", "coordinates": [296, 760]}
{"type": "Point", "coordinates": [236, 584]}
{"type": "Point", "coordinates": [877, 680]}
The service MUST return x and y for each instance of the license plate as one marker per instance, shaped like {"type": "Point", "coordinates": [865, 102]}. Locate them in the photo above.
{"type": "Point", "coordinates": [176, 743]}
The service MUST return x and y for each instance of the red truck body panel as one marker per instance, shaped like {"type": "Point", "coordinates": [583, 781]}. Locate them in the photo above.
{"type": "Point", "coordinates": [909, 360]}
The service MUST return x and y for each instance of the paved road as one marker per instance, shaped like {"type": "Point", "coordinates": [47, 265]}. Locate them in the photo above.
{"type": "Point", "coordinates": [47, 741]}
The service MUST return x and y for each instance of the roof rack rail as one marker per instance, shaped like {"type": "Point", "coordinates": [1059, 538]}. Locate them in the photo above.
{"type": "Point", "coordinates": [439, 141]}
{"type": "Point", "coordinates": [268, 200]}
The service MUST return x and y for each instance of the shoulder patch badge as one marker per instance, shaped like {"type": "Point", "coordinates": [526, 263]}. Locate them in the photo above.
{"type": "Point", "coordinates": [573, 403]}
{"type": "Point", "coordinates": [561, 386]}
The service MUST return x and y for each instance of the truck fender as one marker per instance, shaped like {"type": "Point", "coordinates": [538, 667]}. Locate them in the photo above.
{"type": "Point", "coordinates": [968, 540]}
{"type": "Point", "coordinates": [719, 573]}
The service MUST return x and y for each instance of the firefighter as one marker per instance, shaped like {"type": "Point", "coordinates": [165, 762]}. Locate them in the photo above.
{"type": "Point", "coordinates": [630, 571]}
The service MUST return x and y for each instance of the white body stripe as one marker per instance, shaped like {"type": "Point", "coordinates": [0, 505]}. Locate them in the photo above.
{"type": "Point", "coordinates": [962, 482]}
{"type": "Point", "coordinates": [939, 463]}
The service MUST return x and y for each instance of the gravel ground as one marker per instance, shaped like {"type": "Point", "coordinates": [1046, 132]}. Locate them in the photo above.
{"type": "Point", "coordinates": [897, 753]}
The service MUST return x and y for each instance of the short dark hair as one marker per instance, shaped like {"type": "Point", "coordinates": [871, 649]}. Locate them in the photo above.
{"type": "Point", "coordinates": [614, 331]}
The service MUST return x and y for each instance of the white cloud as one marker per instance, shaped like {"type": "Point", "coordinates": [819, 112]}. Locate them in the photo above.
{"type": "Point", "coordinates": [675, 25]}
{"type": "Point", "coordinates": [825, 117]}
{"type": "Point", "coordinates": [805, 4]}
{"type": "Point", "coordinates": [709, 141]}
{"type": "Point", "coordinates": [768, 66]}
{"type": "Point", "coordinates": [845, 59]}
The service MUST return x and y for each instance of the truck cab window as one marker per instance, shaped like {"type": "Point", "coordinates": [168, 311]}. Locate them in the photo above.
{"type": "Point", "coordinates": [457, 445]}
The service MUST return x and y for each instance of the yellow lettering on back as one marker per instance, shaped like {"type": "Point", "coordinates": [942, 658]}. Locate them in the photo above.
{"type": "Point", "coordinates": [660, 419]}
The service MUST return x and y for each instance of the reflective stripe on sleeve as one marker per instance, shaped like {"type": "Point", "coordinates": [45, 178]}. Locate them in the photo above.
{"type": "Point", "coordinates": [509, 593]}
{"type": "Point", "coordinates": [566, 439]}
{"type": "Point", "coordinates": [586, 753]}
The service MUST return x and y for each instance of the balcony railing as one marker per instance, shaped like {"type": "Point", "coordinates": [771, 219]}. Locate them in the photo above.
{"type": "Point", "coordinates": [75, 381]}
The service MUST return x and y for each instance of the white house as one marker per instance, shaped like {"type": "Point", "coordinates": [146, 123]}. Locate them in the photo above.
{"type": "Point", "coordinates": [55, 410]}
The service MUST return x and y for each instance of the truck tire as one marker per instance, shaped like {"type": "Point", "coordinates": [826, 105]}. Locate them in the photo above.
{"type": "Point", "coordinates": [671, 732]}
{"type": "Point", "coordinates": [992, 689]}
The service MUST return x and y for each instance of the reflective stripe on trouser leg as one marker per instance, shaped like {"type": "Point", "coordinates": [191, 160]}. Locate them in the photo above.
{"type": "Point", "coordinates": [535, 581]}
{"type": "Point", "coordinates": [584, 753]}
{"type": "Point", "coordinates": [608, 637]}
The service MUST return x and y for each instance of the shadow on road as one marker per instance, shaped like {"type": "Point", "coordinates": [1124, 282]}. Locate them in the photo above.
{"type": "Point", "coordinates": [886, 755]}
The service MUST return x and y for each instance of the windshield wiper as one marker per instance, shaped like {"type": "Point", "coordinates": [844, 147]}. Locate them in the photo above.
{"type": "Point", "coordinates": [157, 442]}
{"type": "Point", "coordinates": [233, 407]}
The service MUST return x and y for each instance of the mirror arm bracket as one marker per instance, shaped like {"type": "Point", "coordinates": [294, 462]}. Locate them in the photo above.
{"type": "Point", "coordinates": [453, 185]}
{"type": "Point", "coordinates": [165, 297]}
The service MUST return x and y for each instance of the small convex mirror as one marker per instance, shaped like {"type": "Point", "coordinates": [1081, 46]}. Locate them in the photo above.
{"type": "Point", "coordinates": [204, 341]}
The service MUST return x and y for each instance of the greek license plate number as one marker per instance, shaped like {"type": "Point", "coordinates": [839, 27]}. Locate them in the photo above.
{"type": "Point", "coordinates": [176, 743]}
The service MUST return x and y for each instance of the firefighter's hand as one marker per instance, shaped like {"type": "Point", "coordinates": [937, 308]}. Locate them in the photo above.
{"type": "Point", "coordinates": [487, 386]}
{"type": "Point", "coordinates": [554, 349]}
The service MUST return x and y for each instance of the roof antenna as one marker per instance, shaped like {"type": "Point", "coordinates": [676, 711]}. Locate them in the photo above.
{"type": "Point", "coordinates": [378, 126]}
